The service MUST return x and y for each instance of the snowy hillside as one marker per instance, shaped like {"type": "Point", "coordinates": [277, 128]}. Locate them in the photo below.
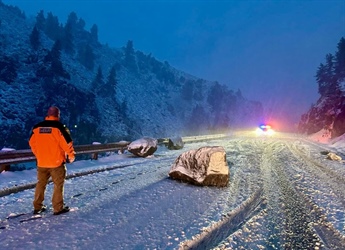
{"type": "Point", "coordinates": [105, 94]}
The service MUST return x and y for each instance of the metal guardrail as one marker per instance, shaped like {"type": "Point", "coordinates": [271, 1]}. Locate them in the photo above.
{"type": "Point", "coordinates": [26, 155]}
{"type": "Point", "coordinates": [18, 156]}
{"type": "Point", "coordinates": [199, 138]}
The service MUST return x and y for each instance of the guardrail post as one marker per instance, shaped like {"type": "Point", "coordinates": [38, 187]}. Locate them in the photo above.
{"type": "Point", "coordinates": [94, 156]}
{"type": "Point", "coordinates": [4, 167]}
{"type": "Point", "coordinates": [123, 149]}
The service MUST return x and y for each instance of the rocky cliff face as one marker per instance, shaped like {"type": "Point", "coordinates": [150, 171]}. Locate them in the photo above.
{"type": "Point", "coordinates": [329, 111]}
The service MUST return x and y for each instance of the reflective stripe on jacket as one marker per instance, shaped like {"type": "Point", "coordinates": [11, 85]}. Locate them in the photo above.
{"type": "Point", "coordinates": [50, 142]}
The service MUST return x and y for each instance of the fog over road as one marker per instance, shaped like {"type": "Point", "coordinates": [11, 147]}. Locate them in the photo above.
{"type": "Point", "coordinates": [283, 194]}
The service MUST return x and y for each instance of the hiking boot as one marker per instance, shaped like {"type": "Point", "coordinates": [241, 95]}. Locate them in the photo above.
{"type": "Point", "coordinates": [38, 211]}
{"type": "Point", "coordinates": [62, 211]}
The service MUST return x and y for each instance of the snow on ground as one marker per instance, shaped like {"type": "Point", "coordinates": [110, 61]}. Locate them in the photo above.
{"type": "Point", "coordinates": [137, 206]}
{"type": "Point", "coordinates": [323, 136]}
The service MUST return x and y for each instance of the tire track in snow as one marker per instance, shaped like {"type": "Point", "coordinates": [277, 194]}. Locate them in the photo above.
{"type": "Point", "coordinates": [335, 180]}
{"type": "Point", "coordinates": [241, 209]}
{"type": "Point", "coordinates": [322, 177]}
{"type": "Point", "coordinates": [217, 232]}
{"type": "Point", "coordinates": [288, 224]}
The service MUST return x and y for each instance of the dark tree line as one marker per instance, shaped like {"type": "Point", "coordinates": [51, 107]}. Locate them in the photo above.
{"type": "Point", "coordinates": [329, 112]}
{"type": "Point", "coordinates": [76, 42]}
{"type": "Point", "coordinates": [331, 74]}
{"type": "Point", "coordinates": [73, 37]}
{"type": "Point", "coordinates": [105, 88]}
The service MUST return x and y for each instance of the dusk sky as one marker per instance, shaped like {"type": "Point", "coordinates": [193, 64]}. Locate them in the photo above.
{"type": "Point", "coordinates": [268, 49]}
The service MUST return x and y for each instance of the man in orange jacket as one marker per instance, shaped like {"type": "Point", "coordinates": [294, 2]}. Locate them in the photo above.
{"type": "Point", "coordinates": [51, 142]}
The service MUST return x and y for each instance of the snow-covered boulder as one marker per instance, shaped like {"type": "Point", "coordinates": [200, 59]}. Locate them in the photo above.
{"type": "Point", "coordinates": [175, 143]}
{"type": "Point", "coordinates": [143, 147]}
{"type": "Point", "coordinates": [206, 166]}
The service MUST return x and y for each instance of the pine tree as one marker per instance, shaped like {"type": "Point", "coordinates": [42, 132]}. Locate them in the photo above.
{"type": "Point", "coordinates": [56, 50]}
{"type": "Point", "coordinates": [40, 20]}
{"type": "Point", "coordinates": [321, 79]}
{"type": "Point", "coordinates": [87, 57]}
{"type": "Point", "coordinates": [339, 63]}
{"type": "Point", "coordinates": [81, 24]}
{"type": "Point", "coordinates": [129, 59]}
{"type": "Point", "coordinates": [98, 82]}
{"type": "Point", "coordinates": [111, 81]}
{"type": "Point", "coordinates": [215, 97]}
{"type": "Point", "coordinates": [326, 78]}
{"type": "Point", "coordinates": [52, 27]}
{"type": "Point", "coordinates": [94, 33]}
{"type": "Point", "coordinates": [54, 57]}
{"type": "Point", "coordinates": [72, 20]}
{"type": "Point", "coordinates": [69, 30]}
{"type": "Point", "coordinates": [35, 38]}
{"type": "Point", "coordinates": [330, 71]}
{"type": "Point", "coordinates": [68, 39]}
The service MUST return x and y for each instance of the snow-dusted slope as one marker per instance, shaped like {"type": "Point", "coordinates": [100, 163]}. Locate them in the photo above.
{"type": "Point", "coordinates": [151, 98]}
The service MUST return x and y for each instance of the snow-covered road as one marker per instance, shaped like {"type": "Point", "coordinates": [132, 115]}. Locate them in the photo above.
{"type": "Point", "coordinates": [283, 194]}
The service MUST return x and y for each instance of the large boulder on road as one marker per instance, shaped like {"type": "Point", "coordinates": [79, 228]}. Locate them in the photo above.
{"type": "Point", "coordinates": [175, 143]}
{"type": "Point", "coordinates": [143, 147]}
{"type": "Point", "coordinates": [206, 166]}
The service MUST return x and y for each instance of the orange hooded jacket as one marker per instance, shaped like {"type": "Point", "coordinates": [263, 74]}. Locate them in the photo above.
{"type": "Point", "coordinates": [50, 142]}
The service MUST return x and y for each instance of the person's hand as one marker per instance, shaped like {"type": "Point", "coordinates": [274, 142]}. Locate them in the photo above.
{"type": "Point", "coordinates": [70, 160]}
